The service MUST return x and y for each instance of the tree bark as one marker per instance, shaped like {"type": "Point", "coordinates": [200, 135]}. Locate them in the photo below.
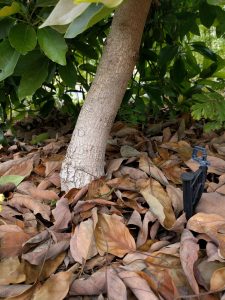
{"type": "Point", "coordinates": [85, 156]}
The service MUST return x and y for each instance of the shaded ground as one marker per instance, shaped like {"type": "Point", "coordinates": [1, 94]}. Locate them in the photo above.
{"type": "Point", "coordinates": [122, 237]}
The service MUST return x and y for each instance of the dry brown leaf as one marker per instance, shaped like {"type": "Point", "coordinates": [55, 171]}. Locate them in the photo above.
{"type": "Point", "coordinates": [207, 204]}
{"type": "Point", "coordinates": [146, 165]}
{"type": "Point", "coordinates": [42, 272]}
{"type": "Point", "coordinates": [43, 195]}
{"type": "Point", "coordinates": [61, 214]}
{"type": "Point", "coordinates": [12, 238]}
{"type": "Point", "coordinates": [94, 285]}
{"type": "Point", "coordinates": [112, 166]}
{"type": "Point", "coordinates": [143, 232]}
{"type": "Point", "coordinates": [173, 174]}
{"type": "Point", "coordinates": [11, 271]}
{"type": "Point", "coordinates": [133, 173]}
{"type": "Point", "coordinates": [160, 281]}
{"type": "Point", "coordinates": [211, 224]}
{"type": "Point", "coordinates": [206, 270]}
{"type": "Point", "coordinates": [56, 287]}
{"type": "Point", "coordinates": [116, 289]}
{"type": "Point", "coordinates": [176, 196]}
{"type": "Point", "coordinates": [138, 285]}
{"type": "Point", "coordinates": [188, 256]}
{"type": "Point", "coordinates": [158, 201]}
{"type": "Point", "coordinates": [34, 205]}
{"type": "Point", "coordinates": [53, 147]}
{"type": "Point", "coordinates": [82, 206]}
{"type": "Point", "coordinates": [112, 236]}
{"type": "Point", "coordinates": [21, 166]}
{"type": "Point", "coordinates": [82, 243]}
{"type": "Point", "coordinates": [12, 290]}
{"type": "Point", "coordinates": [53, 164]}
{"type": "Point", "coordinates": [212, 252]}
{"type": "Point", "coordinates": [123, 183]}
{"type": "Point", "coordinates": [217, 281]}
{"type": "Point", "coordinates": [25, 295]}
{"type": "Point", "coordinates": [217, 165]}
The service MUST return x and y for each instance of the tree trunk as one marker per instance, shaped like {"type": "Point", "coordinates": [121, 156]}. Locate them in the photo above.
{"type": "Point", "coordinates": [85, 156]}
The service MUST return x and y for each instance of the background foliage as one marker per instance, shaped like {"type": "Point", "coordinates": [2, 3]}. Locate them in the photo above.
{"type": "Point", "coordinates": [181, 68]}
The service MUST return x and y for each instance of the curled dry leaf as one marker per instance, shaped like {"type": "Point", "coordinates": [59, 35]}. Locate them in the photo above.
{"type": "Point", "coordinates": [112, 166]}
{"type": "Point", "coordinates": [211, 224]}
{"type": "Point", "coordinates": [42, 272]}
{"type": "Point", "coordinates": [207, 204]}
{"type": "Point", "coordinates": [12, 290]}
{"type": "Point", "coordinates": [176, 197]}
{"type": "Point", "coordinates": [188, 256]}
{"type": "Point", "coordinates": [217, 281]}
{"type": "Point", "coordinates": [133, 173]}
{"type": "Point", "coordinates": [82, 206]}
{"type": "Point", "coordinates": [212, 252]}
{"type": "Point", "coordinates": [123, 183]}
{"type": "Point", "coordinates": [11, 271]}
{"type": "Point", "coordinates": [146, 165]}
{"type": "Point", "coordinates": [21, 166]}
{"type": "Point", "coordinates": [61, 214]}
{"type": "Point", "coordinates": [12, 238]}
{"type": "Point", "coordinates": [116, 289]}
{"type": "Point", "coordinates": [82, 243]}
{"type": "Point", "coordinates": [158, 201]}
{"type": "Point", "coordinates": [112, 236]}
{"type": "Point", "coordinates": [56, 287]}
{"type": "Point", "coordinates": [44, 195]}
{"type": "Point", "coordinates": [94, 285]}
{"type": "Point", "coordinates": [138, 285]}
{"type": "Point", "coordinates": [34, 205]}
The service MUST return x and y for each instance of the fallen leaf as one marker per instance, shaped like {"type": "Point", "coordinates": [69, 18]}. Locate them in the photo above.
{"type": "Point", "coordinates": [34, 205]}
{"type": "Point", "coordinates": [212, 252]}
{"type": "Point", "coordinates": [133, 173]}
{"type": "Point", "coordinates": [56, 287]}
{"type": "Point", "coordinates": [216, 165]}
{"type": "Point", "coordinates": [42, 272]}
{"type": "Point", "coordinates": [188, 256]}
{"type": "Point", "coordinates": [207, 204]}
{"type": "Point", "coordinates": [116, 289]}
{"type": "Point", "coordinates": [176, 197]}
{"type": "Point", "coordinates": [122, 183]}
{"type": "Point", "coordinates": [138, 285]}
{"type": "Point", "coordinates": [210, 224]}
{"type": "Point", "coordinates": [112, 166]}
{"type": "Point", "coordinates": [217, 281]}
{"type": "Point", "coordinates": [93, 285]}
{"type": "Point", "coordinates": [13, 290]}
{"type": "Point", "coordinates": [61, 214]}
{"type": "Point", "coordinates": [158, 201]}
{"type": "Point", "coordinates": [82, 206]}
{"type": "Point", "coordinates": [12, 238]}
{"type": "Point", "coordinates": [112, 236]}
{"type": "Point", "coordinates": [15, 179]}
{"type": "Point", "coordinates": [43, 195]}
{"type": "Point", "coordinates": [11, 271]}
{"type": "Point", "coordinates": [146, 165]}
{"type": "Point", "coordinates": [82, 243]}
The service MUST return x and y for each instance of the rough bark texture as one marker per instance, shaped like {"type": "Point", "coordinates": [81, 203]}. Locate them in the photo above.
{"type": "Point", "coordinates": [85, 156]}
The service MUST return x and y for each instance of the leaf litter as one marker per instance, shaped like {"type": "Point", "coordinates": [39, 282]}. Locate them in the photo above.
{"type": "Point", "coordinates": [124, 236]}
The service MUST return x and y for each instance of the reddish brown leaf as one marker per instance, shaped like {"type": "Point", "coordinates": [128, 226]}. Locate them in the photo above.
{"type": "Point", "coordinates": [113, 236]}
{"type": "Point", "coordinates": [34, 205]}
{"type": "Point", "coordinates": [61, 214]}
{"type": "Point", "coordinates": [11, 271]}
{"type": "Point", "coordinates": [188, 256]}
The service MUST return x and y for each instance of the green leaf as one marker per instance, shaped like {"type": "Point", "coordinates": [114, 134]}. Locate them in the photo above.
{"type": "Point", "coordinates": [10, 10]}
{"type": "Point", "coordinates": [178, 72]}
{"type": "Point", "coordinates": [216, 2]}
{"type": "Point", "coordinates": [34, 73]}
{"type": "Point", "coordinates": [109, 3]}
{"type": "Point", "coordinates": [86, 50]}
{"type": "Point", "coordinates": [5, 26]}
{"type": "Point", "coordinates": [167, 54]}
{"type": "Point", "coordinates": [207, 14]}
{"type": "Point", "coordinates": [88, 68]}
{"type": "Point", "coordinates": [205, 51]}
{"type": "Point", "coordinates": [93, 14]}
{"type": "Point", "coordinates": [40, 138]}
{"type": "Point", "coordinates": [64, 13]}
{"type": "Point", "coordinates": [53, 45]}
{"type": "Point", "coordinates": [68, 74]}
{"type": "Point", "coordinates": [8, 59]}
{"type": "Point", "coordinates": [15, 179]}
{"type": "Point", "coordinates": [23, 38]}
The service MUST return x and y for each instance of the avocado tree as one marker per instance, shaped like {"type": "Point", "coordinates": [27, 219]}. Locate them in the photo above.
{"type": "Point", "coordinates": [34, 54]}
